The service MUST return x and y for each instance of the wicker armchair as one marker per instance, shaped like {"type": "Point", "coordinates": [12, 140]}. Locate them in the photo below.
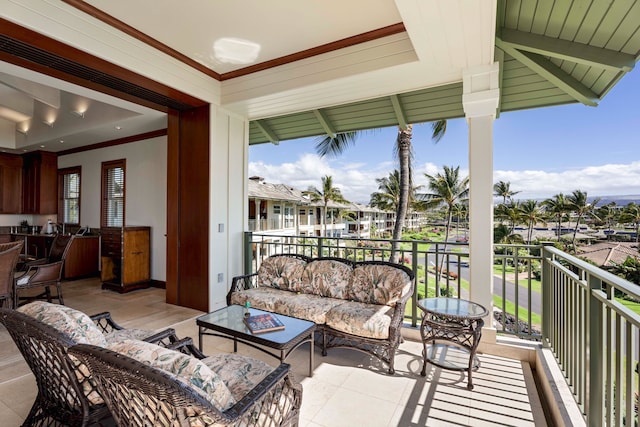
{"type": "Point", "coordinates": [66, 393]}
{"type": "Point", "coordinates": [141, 395]}
{"type": "Point", "coordinates": [9, 253]}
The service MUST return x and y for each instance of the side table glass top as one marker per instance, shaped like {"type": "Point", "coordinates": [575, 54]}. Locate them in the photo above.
{"type": "Point", "coordinates": [454, 307]}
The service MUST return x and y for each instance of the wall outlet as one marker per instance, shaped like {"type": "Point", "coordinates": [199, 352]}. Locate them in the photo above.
{"type": "Point", "coordinates": [220, 277]}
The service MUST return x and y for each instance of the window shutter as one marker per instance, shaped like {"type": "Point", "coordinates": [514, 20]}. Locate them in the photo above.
{"type": "Point", "coordinates": [113, 193]}
{"type": "Point", "coordinates": [69, 191]}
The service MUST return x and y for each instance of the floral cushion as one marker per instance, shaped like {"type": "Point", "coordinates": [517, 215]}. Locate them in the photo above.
{"type": "Point", "coordinates": [363, 320]}
{"type": "Point", "coordinates": [239, 373]}
{"type": "Point", "coordinates": [378, 284]}
{"type": "Point", "coordinates": [77, 325]}
{"type": "Point", "coordinates": [326, 277]}
{"type": "Point", "coordinates": [281, 272]}
{"type": "Point", "coordinates": [185, 368]}
{"type": "Point", "coordinates": [304, 306]}
{"type": "Point", "coordinates": [260, 298]}
{"type": "Point", "coordinates": [127, 334]}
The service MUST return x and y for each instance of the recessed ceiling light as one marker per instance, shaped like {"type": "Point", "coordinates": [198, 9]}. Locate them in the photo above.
{"type": "Point", "coordinates": [118, 127]}
{"type": "Point", "coordinates": [42, 146]}
{"type": "Point", "coordinates": [235, 51]}
{"type": "Point", "coordinates": [62, 141]}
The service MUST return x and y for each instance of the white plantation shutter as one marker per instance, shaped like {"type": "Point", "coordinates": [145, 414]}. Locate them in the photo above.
{"type": "Point", "coordinates": [113, 193]}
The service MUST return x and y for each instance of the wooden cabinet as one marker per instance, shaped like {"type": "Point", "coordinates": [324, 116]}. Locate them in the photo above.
{"type": "Point", "coordinates": [10, 184]}
{"type": "Point", "coordinates": [40, 183]}
{"type": "Point", "coordinates": [82, 258]}
{"type": "Point", "coordinates": [126, 258]}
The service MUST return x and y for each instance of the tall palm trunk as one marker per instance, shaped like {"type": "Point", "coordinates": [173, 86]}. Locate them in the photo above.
{"type": "Point", "coordinates": [404, 155]}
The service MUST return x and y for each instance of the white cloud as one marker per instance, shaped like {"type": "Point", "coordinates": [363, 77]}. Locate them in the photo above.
{"type": "Point", "coordinates": [604, 180]}
{"type": "Point", "coordinates": [357, 180]}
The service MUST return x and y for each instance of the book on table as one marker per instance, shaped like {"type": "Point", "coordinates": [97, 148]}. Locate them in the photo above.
{"type": "Point", "coordinates": [260, 323]}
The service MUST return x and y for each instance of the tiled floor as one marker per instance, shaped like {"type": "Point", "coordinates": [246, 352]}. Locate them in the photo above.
{"type": "Point", "coordinates": [348, 388]}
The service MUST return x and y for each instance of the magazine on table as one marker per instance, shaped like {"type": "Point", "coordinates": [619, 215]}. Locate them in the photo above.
{"type": "Point", "coordinates": [260, 323]}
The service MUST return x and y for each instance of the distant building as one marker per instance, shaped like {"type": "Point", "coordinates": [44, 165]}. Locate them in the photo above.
{"type": "Point", "coordinates": [280, 209]}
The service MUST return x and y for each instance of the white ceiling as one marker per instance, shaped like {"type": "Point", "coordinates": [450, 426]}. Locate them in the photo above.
{"type": "Point", "coordinates": [442, 39]}
{"type": "Point", "coordinates": [279, 27]}
{"type": "Point", "coordinates": [38, 98]}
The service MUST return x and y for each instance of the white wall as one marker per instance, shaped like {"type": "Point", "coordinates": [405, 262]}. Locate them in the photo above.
{"type": "Point", "coordinates": [145, 186]}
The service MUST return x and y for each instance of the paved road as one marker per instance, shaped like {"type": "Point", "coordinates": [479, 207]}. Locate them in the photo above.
{"type": "Point", "coordinates": [510, 290]}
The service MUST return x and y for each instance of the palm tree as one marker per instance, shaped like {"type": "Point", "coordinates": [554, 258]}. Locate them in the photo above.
{"type": "Point", "coordinates": [631, 214]}
{"type": "Point", "coordinates": [461, 214]}
{"type": "Point", "coordinates": [509, 212]}
{"type": "Point", "coordinates": [388, 195]}
{"type": "Point", "coordinates": [578, 203]}
{"type": "Point", "coordinates": [446, 189]}
{"type": "Point", "coordinates": [336, 144]}
{"type": "Point", "coordinates": [532, 213]}
{"type": "Point", "coordinates": [503, 189]}
{"type": "Point", "coordinates": [607, 214]}
{"type": "Point", "coordinates": [328, 194]}
{"type": "Point", "coordinates": [557, 207]}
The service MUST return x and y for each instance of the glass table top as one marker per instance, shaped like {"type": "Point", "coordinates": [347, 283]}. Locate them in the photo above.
{"type": "Point", "coordinates": [452, 307]}
{"type": "Point", "coordinates": [231, 318]}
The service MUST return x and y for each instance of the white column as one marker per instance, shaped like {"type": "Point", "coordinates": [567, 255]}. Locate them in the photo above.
{"type": "Point", "coordinates": [258, 202]}
{"type": "Point", "coordinates": [480, 100]}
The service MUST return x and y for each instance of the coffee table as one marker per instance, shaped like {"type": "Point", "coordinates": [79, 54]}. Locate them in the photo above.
{"type": "Point", "coordinates": [228, 322]}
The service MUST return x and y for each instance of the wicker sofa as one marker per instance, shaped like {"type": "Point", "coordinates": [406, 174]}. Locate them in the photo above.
{"type": "Point", "coordinates": [359, 305]}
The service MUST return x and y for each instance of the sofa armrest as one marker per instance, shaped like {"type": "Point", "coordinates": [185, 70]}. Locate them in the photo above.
{"type": "Point", "coordinates": [278, 389]}
{"type": "Point", "coordinates": [240, 283]}
{"type": "Point", "coordinates": [398, 313]}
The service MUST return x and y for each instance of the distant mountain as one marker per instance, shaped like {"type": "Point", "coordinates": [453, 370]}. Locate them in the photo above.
{"type": "Point", "coordinates": [604, 200]}
{"type": "Point", "coordinates": [619, 200]}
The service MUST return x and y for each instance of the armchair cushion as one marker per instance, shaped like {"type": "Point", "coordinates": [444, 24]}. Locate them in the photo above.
{"type": "Point", "coordinates": [77, 325]}
{"type": "Point", "coordinates": [186, 369]}
{"type": "Point", "coordinates": [240, 373]}
{"type": "Point", "coordinates": [126, 334]}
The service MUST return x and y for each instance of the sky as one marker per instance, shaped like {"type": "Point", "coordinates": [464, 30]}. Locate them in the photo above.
{"type": "Point", "coordinates": [540, 152]}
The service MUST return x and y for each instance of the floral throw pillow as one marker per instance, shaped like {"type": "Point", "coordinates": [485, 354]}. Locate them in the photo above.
{"type": "Point", "coordinates": [72, 322]}
{"type": "Point", "coordinates": [327, 277]}
{"type": "Point", "coordinates": [378, 284]}
{"type": "Point", "coordinates": [281, 272]}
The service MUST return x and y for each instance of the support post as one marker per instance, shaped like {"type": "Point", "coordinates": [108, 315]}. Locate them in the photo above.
{"type": "Point", "coordinates": [480, 101]}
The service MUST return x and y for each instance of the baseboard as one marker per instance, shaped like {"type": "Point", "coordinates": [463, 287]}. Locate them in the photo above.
{"type": "Point", "coordinates": [161, 284]}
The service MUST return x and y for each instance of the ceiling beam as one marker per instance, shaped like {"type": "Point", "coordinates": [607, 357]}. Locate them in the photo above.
{"type": "Point", "coordinates": [267, 131]}
{"type": "Point", "coordinates": [325, 122]}
{"type": "Point", "coordinates": [397, 108]}
{"type": "Point", "coordinates": [552, 73]}
{"type": "Point", "coordinates": [569, 51]}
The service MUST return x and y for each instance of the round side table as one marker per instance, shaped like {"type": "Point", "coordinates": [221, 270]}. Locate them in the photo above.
{"type": "Point", "coordinates": [455, 321]}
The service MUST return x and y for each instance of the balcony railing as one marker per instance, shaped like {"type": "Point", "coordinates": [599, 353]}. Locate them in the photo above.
{"type": "Point", "coordinates": [582, 313]}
